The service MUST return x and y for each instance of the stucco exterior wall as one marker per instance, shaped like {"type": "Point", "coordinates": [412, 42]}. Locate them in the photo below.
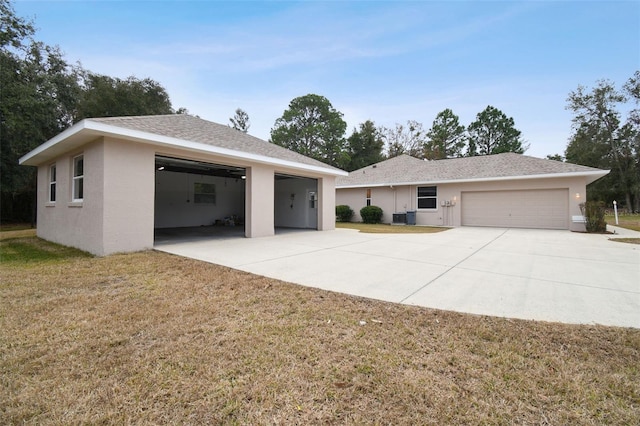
{"type": "Point", "coordinates": [75, 224]}
{"type": "Point", "coordinates": [128, 191]}
{"type": "Point", "coordinates": [399, 199]}
{"type": "Point", "coordinates": [259, 201]}
{"type": "Point", "coordinates": [327, 203]}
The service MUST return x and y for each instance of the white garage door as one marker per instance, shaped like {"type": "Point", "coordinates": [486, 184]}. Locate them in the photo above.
{"type": "Point", "coordinates": [544, 208]}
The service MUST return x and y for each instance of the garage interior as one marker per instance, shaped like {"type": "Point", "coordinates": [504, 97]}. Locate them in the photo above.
{"type": "Point", "coordinates": [196, 200]}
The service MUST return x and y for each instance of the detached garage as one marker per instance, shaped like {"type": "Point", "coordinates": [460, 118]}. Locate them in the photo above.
{"type": "Point", "coordinates": [106, 184]}
{"type": "Point", "coordinates": [503, 190]}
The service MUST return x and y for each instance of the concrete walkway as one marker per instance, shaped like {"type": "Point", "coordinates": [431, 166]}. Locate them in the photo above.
{"type": "Point", "coordinates": [517, 273]}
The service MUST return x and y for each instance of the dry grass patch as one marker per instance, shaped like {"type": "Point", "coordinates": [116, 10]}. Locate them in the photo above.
{"type": "Point", "coordinates": [155, 339]}
{"type": "Point", "coordinates": [384, 228]}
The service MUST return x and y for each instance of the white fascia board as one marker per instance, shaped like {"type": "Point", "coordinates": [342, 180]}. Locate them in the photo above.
{"type": "Point", "coordinates": [596, 174]}
{"type": "Point", "coordinates": [154, 139]}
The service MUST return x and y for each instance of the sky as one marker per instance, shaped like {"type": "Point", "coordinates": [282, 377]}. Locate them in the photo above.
{"type": "Point", "coordinates": [385, 61]}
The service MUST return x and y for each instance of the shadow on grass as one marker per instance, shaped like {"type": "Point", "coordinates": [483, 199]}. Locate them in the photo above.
{"type": "Point", "coordinates": [33, 249]}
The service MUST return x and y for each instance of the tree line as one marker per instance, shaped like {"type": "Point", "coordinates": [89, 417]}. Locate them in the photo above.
{"type": "Point", "coordinates": [313, 127]}
{"type": "Point", "coordinates": [602, 137]}
{"type": "Point", "coordinates": [42, 94]}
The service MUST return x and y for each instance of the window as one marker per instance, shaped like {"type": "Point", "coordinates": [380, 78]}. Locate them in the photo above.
{"type": "Point", "coordinates": [78, 178]}
{"type": "Point", "coordinates": [368, 197]}
{"type": "Point", "coordinates": [204, 193]}
{"type": "Point", "coordinates": [52, 183]}
{"type": "Point", "coordinates": [427, 197]}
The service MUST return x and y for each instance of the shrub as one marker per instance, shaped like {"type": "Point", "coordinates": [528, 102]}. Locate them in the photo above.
{"type": "Point", "coordinates": [344, 213]}
{"type": "Point", "coordinates": [371, 214]}
{"type": "Point", "coordinates": [593, 212]}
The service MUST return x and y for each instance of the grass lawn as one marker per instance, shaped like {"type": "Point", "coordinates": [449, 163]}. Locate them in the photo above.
{"type": "Point", "coordinates": [150, 338]}
{"type": "Point", "coordinates": [384, 228]}
{"type": "Point", "coordinates": [629, 221]}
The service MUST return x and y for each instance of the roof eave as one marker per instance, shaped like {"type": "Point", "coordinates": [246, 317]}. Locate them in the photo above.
{"type": "Point", "coordinates": [39, 155]}
{"type": "Point", "coordinates": [590, 175]}
{"type": "Point", "coordinates": [85, 130]}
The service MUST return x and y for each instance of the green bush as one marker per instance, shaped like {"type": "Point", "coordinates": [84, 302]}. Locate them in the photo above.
{"type": "Point", "coordinates": [343, 213]}
{"type": "Point", "coordinates": [371, 214]}
{"type": "Point", "coordinates": [593, 212]}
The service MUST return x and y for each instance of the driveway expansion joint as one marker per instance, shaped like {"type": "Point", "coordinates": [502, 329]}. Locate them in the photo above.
{"type": "Point", "coordinates": [452, 267]}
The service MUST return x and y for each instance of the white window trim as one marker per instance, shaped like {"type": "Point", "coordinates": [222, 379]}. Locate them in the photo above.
{"type": "Point", "coordinates": [435, 197]}
{"type": "Point", "coordinates": [53, 182]}
{"type": "Point", "coordinates": [75, 179]}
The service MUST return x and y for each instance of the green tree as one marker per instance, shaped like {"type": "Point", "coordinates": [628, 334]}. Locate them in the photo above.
{"type": "Point", "coordinates": [365, 146]}
{"type": "Point", "coordinates": [240, 121]}
{"type": "Point", "coordinates": [104, 96]}
{"type": "Point", "coordinates": [555, 157]}
{"type": "Point", "coordinates": [632, 88]}
{"type": "Point", "coordinates": [493, 133]}
{"type": "Point", "coordinates": [601, 139]}
{"type": "Point", "coordinates": [38, 92]}
{"type": "Point", "coordinates": [41, 95]}
{"type": "Point", "coordinates": [313, 127]}
{"type": "Point", "coordinates": [446, 137]}
{"type": "Point", "coordinates": [409, 139]}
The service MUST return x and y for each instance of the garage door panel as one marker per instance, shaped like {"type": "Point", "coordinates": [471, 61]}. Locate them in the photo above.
{"type": "Point", "coordinates": [545, 208]}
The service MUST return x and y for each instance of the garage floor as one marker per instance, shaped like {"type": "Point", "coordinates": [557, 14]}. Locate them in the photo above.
{"type": "Point", "coordinates": [197, 233]}
{"type": "Point", "coordinates": [518, 273]}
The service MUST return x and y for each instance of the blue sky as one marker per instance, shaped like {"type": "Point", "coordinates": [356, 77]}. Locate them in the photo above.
{"type": "Point", "coordinates": [385, 61]}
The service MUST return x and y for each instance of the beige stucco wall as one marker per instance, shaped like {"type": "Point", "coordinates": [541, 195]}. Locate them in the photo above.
{"type": "Point", "coordinates": [326, 203]}
{"type": "Point", "coordinates": [116, 214]}
{"type": "Point", "coordinates": [128, 191]}
{"type": "Point", "coordinates": [399, 199]}
{"type": "Point", "coordinates": [259, 201]}
{"type": "Point", "coordinates": [76, 224]}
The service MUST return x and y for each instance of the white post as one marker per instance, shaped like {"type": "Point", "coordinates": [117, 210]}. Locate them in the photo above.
{"type": "Point", "coordinates": [615, 210]}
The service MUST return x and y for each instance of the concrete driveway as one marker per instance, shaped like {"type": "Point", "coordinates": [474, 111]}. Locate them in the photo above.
{"type": "Point", "coordinates": [517, 273]}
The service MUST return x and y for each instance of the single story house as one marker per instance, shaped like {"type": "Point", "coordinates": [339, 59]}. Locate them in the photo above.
{"type": "Point", "coordinates": [105, 184]}
{"type": "Point", "coordinates": [502, 190]}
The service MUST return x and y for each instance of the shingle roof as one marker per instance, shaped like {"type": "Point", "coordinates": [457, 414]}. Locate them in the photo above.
{"type": "Point", "coordinates": [194, 129]}
{"type": "Point", "coordinates": [406, 170]}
